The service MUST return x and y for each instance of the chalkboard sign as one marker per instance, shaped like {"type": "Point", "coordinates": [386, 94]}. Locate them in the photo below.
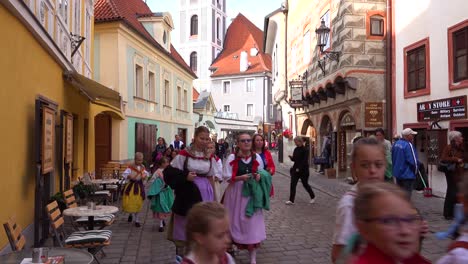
{"type": "Point", "coordinates": [436, 141]}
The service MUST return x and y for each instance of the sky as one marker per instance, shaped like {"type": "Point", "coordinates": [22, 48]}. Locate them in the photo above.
{"type": "Point", "coordinates": [254, 10]}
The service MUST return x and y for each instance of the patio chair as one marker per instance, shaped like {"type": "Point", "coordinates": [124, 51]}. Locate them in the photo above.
{"type": "Point", "coordinates": [100, 221]}
{"type": "Point", "coordinates": [93, 240]}
{"type": "Point", "coordinates": [15, 237]}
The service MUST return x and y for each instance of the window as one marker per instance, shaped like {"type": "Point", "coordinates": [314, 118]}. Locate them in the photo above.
{"type": "Point", "coordinates": [416, 64]}
{"type": "Point", "coordinates": [271, 110]}
{"type": "Point", "coordinates": [194, 25]}
{"type": "Point", "coordinates": [376, 26]}
{"type": "Point", "coordinates": [179, 97]}
{"type": "Point", "coordinates": [164, 37]}
{"type": "Point", "coordinates": [326, 18]}
{"type": "Point", "coordinates": [306, 48]}
{"type": "Point", "coordinates": [249, 85]}
{"type": "Point", "coordinates": [88, 37]}
{"type": "Point", "coordinates": [184, 101]}
{"type": "Point", "coordinates": [152, 87]}
{"type": "Point", "coordinates": [77, 18]}
{"type": "Point", "coordinates": [249, 109]}
{"type": "Point", "coordinates": [227, 108]}
{"type": "Point", "coordinates": [458, 55]}
{"type": "Point", "coordinates": [227, 87]}
{"type": "Point", "coordinates": [138, 81]}
{"type": "Point", "coordinates": [166, 93]}
{"type": "Point", "coordinates": [193, 61]}
{"type": "Point", "coordinates": [218, 29]}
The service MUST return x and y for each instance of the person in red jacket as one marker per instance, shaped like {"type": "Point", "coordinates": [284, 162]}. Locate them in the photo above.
{"type": "Point", "coordinates": [259, 147]}
{"type": "Point", "coordinates": [389, 224]}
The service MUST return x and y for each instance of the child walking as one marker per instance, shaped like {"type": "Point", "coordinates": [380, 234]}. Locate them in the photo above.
{"type": "Point", "coordinates": [160, 194]}
{"type": "Point", "coordinates": [208, 235]}
{"type": "Point", "coordinates": [134, 191]}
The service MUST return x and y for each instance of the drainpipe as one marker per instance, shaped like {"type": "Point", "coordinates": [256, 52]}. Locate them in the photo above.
{"type": "Point", "coordinates": [388, 72]}
{"type": "Point", "coordinates": [285, 7]}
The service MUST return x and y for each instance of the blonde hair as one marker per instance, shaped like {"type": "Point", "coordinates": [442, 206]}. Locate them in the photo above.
{"type": "Point", "coordinates": [369, 141]}
{"type": "Point", "coordinates": [200, 217]}
{"type": "Point", "coordinates": [369, 192]}
{"type": "Point", "coordinates": [139, 155]}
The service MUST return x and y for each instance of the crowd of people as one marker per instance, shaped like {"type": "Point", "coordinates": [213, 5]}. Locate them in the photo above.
{"type": "Point", "coordinates": [213, 201]}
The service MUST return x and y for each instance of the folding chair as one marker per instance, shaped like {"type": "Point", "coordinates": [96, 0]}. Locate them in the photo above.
{"type": "Point", "coordinates": [13, 231]}
{"type": "Point", "coordinates": [93, 240]}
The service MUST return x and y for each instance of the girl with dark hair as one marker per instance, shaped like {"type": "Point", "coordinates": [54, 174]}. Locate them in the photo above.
{"type": "Point", "coordinates": [190, 175]}
{"type": "Point", "coordinates": [258, 147]}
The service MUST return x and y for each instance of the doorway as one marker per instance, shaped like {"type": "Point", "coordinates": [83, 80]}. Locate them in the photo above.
{"type": "Point", "coordinates": [102, 141]}
{"type": "Point", "coordinates": [182, 132]}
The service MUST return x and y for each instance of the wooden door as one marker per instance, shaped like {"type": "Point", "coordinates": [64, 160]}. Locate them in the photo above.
{"type": "Point", "coordinates": [103, 139]}
{"type": "Point", "coordinates": [145, 140]}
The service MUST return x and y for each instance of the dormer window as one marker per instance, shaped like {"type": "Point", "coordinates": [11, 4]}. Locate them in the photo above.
{"type": "Point", "coordinates": [193, 61]}
{"type": "Point", "coordinates": [164, 37]}
{"type": "Point", "coordinates": [194, 25]}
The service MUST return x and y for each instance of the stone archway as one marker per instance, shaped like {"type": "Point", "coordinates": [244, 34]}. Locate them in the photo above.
{"type": "Point", "coordinates": [346, 133]}
{"type": "Point", "coordinates": [310, 133]}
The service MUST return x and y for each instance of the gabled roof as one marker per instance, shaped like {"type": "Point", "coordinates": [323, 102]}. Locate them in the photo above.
{"type": "Point", "coordinates": [203, 100]}
{"type": "Point", "coordinates": [242, 35]}
{"type": "Point", "coordinates": [128, 11]}
{"type": "Point", "coordinates": [195, 94]}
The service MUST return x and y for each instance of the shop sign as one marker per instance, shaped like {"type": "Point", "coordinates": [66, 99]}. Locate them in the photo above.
{"type": "Point", "coordinates": [443, 109]}
{"type": "Point", "coordinates": [342, 151]}
{"type": "Point", "coordinates": [347, 120]}
{"type": "Point", "coordinates": [48, 139]}
{"type": "Point", "coordinates": [373, 114]}
{"type": "Point", "coordinates": [69, 139]}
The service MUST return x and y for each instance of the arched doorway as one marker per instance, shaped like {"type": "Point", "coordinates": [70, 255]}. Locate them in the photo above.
{"type": "Point", "coordinates": [102, 140]}
{"type": "Point", "coordinates": [346, 133]}
{"type": "Point", "coordinates": [325, 141]}
{"type": "Point", "coordinates": [309, 132]}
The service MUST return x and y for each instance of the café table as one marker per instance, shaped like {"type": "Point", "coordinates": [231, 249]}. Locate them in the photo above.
{"type": "Point", "coordinates": [90, 213]}
{"type": "Point", "coordinates": [105, 182]}
{"type": "Point", "coordinates": [72, 255]}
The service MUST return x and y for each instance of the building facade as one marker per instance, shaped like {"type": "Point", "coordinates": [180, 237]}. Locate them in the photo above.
{"type": "Point", "coordinates": [52, 107]}
{"type": "Point", "coordinates": [430, 76]}
{"type": "Point", "coordinates": [204, 111]}
{"type": "Point", "coordinates": [202, 28]}
{"type": "Point", "coordinates": [241, 75]}
{"type": "Point", "coordinates": [345, 97]}
{"type": "Point", "coordinates": [134, 55]}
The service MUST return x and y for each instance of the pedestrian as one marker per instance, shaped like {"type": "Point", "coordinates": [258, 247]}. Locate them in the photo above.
{"type": "Point", "coordinates": [405, 161]}
{"type": "Point", "coordinates": [300, 171]}
{"type": "Point", "coordinates": [177, 143]}
{"type": "Point", "coordinates": [208, 235]}
{"type": "Point", "coordinates": [134, 190]}
{"type": "Point", "coordinates": [380, 135]}
{"type": "Point", "coordinates": [158, 152]}
{"type": "Point", "coordinates": [168, 153]}
{"type": "Point", "coordinates": [189, 175]}
{"type": "Point", "coordinates": [161, 195]}
{"type": "Point", "coordinates": [259, 147]}
{"type": "Point", "coordinates": [218, 177]}
{"type": "Point", "coordinates": [453, 155]}
{"type": "Point", "coordinates": [326, 153]}
{"type": "Point", "coordinates": [247, 231]}
{"type": "Point", "coordinates": [390, 225]}
{"type": "Point", "coordinates": [458, 250]}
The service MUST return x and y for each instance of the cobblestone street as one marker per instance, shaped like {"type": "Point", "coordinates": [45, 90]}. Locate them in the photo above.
{"type": "Point", "coordinates": [296, 234]}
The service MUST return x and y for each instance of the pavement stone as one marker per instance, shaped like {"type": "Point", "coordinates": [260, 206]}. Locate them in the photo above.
{"type": "Point", "coordinates": [300, 233]}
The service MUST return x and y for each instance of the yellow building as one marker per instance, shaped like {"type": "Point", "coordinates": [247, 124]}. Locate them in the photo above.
{"type": "Point", "coordinates": [46, 91]}
{"type": "Point", "coordinates": [134, 55]}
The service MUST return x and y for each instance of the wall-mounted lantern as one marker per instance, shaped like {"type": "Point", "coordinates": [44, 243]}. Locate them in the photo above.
{"type": "Point", "coordinates": [323, 34]}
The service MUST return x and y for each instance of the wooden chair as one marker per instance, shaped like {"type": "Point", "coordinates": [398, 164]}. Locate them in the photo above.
{"type": "Point", "coordinates": [93, 240]}
{"type": "Point", "coordinates": [15, 237]}
{"type": "Point", "coordinates": [100, 221]}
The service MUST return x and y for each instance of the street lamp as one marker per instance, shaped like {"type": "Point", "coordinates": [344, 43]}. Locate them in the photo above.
{"type": "Point", "coordinates": [323, 34]}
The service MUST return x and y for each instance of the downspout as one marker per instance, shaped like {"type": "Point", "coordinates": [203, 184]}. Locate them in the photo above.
{"type": "Point", "coordinates": [389, 89]}
{"type": "Point", "coordinates": [285, 12]}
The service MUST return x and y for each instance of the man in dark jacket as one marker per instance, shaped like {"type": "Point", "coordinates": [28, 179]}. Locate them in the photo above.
{"type": "Point", "coordinates": [405, 160]}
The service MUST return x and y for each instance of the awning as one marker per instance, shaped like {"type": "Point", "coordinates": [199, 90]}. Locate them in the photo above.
{"type": "Point", "coordinates": [94, 91]}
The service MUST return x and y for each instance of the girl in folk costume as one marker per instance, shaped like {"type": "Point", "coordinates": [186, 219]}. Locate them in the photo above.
{"type": "Point", "coordinates": [258, 147]}
{"type": "Point", "coordinates": [219, 170]}
{"type": "Point", "coordinates": [161, 195]}
{"type": "Point", "coordinates": [208, 235]}
{"type": "Point", "coordinates": [246, 232]}
{"type": "Point", "coordinates": [134, 190]}
{"type": "Point", "coordinates": [190, 175]}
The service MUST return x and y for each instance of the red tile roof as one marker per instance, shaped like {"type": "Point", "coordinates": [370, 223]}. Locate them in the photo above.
{"type": "Point", "coordinates": [128, 12]}
{"type": "Point", "coordinates": [242, 35]}
{"type": "Point", "coordinates": [195, 94]}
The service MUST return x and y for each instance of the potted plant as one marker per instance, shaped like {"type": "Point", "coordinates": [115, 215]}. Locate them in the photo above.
{"type": "Point", "coordinates": [60, 200]}
{"type": "Point", "coordinates": [82, 191]}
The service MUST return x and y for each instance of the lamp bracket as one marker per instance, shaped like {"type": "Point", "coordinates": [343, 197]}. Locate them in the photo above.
{"type": "Point", "coordinates": [76, 41]}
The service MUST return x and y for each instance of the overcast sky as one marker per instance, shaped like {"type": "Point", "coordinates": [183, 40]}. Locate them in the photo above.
{"type": "Point", "coordinates": [254, 10]}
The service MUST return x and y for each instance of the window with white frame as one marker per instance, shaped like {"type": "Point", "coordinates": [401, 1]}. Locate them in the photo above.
{"type": "Point", "coordinates": [326, 18]}
{"type": "Point", "coordinates": [179, 97]}
{"type": "Point", "coordinates": [138, 81]}
{"type": "Point", "coordinates": [226, 87]}
{"type": "Point", "coordinates": [249, 85]}
{"type": "Point", "coordinates": [151, 86]}
{"type": "Point", "coordinates": [227, 108]}
{"type": "Point", "coordinates": [88, 37]}
{"type": "Point", "coordinates": [306, 48]}
{"type": "Point", "coordinates": [250, 108]}
{"type": "Point", "coordinates": [77, 18]}
{"type": "Point", "coordinates": [166, 93]}
{"type": "Point", "coordinates": [184, 100]}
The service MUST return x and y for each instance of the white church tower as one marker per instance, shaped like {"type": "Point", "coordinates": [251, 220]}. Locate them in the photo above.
{"type": "Point", "coordinates": [202, 30]}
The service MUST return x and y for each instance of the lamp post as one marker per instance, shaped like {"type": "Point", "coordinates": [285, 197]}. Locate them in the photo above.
{"type": "Point", "coordinates": [323, 34]}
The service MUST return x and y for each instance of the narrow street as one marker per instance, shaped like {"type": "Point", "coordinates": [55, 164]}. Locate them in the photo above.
{"type": "Point", "coordinates": [296, 234]}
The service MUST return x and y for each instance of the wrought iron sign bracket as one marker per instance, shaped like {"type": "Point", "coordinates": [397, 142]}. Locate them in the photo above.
{"type": "Point", "coordinates": [76, 41]}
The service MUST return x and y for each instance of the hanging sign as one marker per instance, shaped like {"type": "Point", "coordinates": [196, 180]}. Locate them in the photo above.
{"type": "Point", "coordinates": [69, 139]}
{"type": "Point", "coordinates": [373, 114]}
{"type": "Point", "coordinates": [443, 109]}
{"type": "Point", "coordinates": [48, 139]}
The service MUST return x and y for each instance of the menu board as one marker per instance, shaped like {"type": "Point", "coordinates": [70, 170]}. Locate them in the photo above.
{"type": "Point", "coordinates": [69, 138]}
{"type": "Point", "coordinates": [436, 141]}
{"type": "Point", "coordinates": [48, 139]}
